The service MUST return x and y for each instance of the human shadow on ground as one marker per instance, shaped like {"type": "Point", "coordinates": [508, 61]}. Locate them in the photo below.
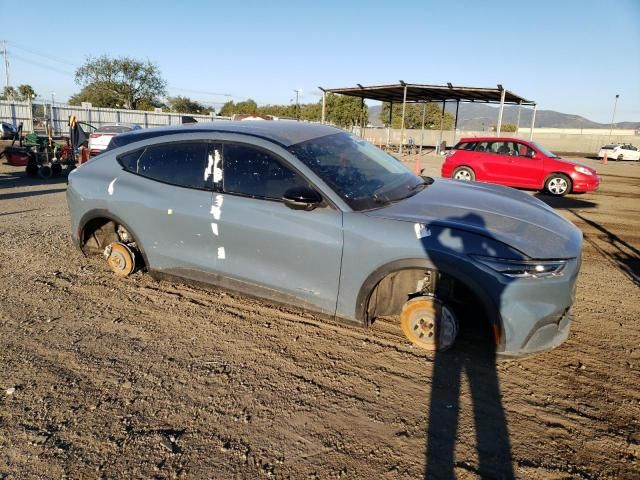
{"type": "Point", "coordinates": [625, 256]}
{"type": "Point", "coordinates": [473, 356]}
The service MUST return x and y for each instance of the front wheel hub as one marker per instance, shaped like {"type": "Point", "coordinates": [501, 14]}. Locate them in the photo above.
{"type": "Point", "coordinates": [120, 259]}
{"type": "Point", "coordinates": [429, 323]}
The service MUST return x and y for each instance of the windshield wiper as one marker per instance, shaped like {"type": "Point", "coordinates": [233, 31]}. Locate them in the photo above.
{"type": "Point", "coordinates": [425, 181]}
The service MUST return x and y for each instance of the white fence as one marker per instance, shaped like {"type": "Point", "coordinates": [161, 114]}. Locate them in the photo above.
{"type": "Point", "coordinates": [587, 144]}
{"type": "Point", "coordinates": [16, 113]}
{"type": "Point", "coordinates": [562, 140]}
{"type": "Point", "coordinates": [33, 116]}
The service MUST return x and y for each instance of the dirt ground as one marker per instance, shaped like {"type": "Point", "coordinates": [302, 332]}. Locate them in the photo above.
{"type": "Point", "coordinates": [102, 377]}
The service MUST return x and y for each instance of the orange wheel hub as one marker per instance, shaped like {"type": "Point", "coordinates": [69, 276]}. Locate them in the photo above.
{"type": "Point", "coordinates": [121, 259]}
{"type": "Point", "coordinates": [428, 323]}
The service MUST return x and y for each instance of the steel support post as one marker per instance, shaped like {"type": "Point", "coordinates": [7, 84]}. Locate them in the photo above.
{"type": "Point", "coordinates": [499, 127]}
{"type": "Point", "coordinates": [533, 121]}
{"type": "Point", "coordinates": [404, 107]}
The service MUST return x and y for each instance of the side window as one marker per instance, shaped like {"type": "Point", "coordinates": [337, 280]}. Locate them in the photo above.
{"type": "Point", "coordinates": [181, 164]}
{"type": "Point", "coordinates": [523, 150]}
{"type": "Point", "coordinates": [256, 173]}
{"type": "Point", "coordinates": [492, 147]}
{"type": "Point", "coordinates": [482, 146]}
{"type": "Point", "coordinates": [466, 146]}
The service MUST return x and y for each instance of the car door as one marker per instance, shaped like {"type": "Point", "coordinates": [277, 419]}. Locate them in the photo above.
{"type": "Point", "coordinates": [163, 197]}
{"type": "Point", "coordinates": [287, 254]}
{"type": "Point", "coordinates": [629, 152]}
{"type": "Point", "coordinates": [495, 166]}
{"type": "Point", "coordinates": [525, 169]}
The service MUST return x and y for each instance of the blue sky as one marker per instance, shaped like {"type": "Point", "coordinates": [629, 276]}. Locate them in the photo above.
{"type": "Point", "coordinates": [573, 56]}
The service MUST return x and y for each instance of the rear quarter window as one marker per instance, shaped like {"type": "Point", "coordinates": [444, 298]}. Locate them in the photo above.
{"type": "Point", "coordinates": [181, 163]}
{"type": "Point", "coordinates": [465, 146]}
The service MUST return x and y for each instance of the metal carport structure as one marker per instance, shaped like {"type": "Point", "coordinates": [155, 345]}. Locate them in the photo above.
{"type": "Point", "coordinates": [420, 93]}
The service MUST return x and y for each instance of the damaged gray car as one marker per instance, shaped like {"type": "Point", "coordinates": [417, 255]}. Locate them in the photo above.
{"type": "Point", "coordinates": [313, 217]}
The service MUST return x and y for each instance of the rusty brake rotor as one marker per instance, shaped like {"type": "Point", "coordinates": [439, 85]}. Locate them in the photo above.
{"type": "Point", "coordinates": [120, 258]}
{"type": "Point", "coordinates": [429, 323]}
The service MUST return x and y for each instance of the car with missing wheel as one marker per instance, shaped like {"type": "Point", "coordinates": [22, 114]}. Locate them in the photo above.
{"type": "Point", "coordinates": [318, 219]}
{"type": "Point", "coordinates": [517, 163]}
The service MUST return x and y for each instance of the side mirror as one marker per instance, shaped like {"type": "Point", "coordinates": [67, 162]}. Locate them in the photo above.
{"type": "Point", "coordinates": [302, 198]}
{"type": "Point", "coordinates": [532, 154]}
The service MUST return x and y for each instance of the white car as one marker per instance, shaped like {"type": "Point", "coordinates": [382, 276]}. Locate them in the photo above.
{"type": "Point", "coordinates": [100, 138]}
{"type": "Point", "coordinates": [617, 151]}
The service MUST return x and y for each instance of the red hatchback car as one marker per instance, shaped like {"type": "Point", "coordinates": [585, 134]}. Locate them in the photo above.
{"type": "Point", "coordinates": [517, 163]}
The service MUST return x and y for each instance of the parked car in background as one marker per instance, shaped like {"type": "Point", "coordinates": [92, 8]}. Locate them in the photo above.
{"type": "Point", "coordinates": [517, 163]}
{"type": "Point", "coordinates": [620, 151]}
{"type": "Point", "coordinates": [7, 131]}
{"type": "Point", "coordinates": [313, 217]}
{"type": "Point", "coordinates": [100, 137]}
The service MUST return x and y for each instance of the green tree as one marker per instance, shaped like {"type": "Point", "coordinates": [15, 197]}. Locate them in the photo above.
{"type": "Point", "coordinates": [246, 107]}
{"type": "Point", "coordinates": [9, 93]}
{"type": "Point", "coordinates": [345, 111]}
{"type": "Point", "coordinates": [98, 95]}
{"type": "Point", "coordinates": [506, 127]}
{"type": "Point", "coordinates": [22, 92]}
{"type": "Point", "coordinates": [26, 92]}
{"type": "Point", "coordinates": [125, 79]}
{"type": "Point", "coordinates": [413, 116]}
{"type": "Point", "coordinates": [186, 105]}
{"type": "Point", "coordinates": [341, 110]}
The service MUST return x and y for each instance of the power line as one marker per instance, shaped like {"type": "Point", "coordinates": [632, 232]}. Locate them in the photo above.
{"type": "Point", "coordinates": [42, 65]}
{"type": "Point", "coordinates": [201, 92]}
{"type": "Point", "coordinates": [40, 54]}
{"type": "Point", "coordinates": [54, 58]}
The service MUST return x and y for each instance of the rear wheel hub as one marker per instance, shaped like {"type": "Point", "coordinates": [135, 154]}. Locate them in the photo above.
{"type": "Point", "coordinates": [120, 259]}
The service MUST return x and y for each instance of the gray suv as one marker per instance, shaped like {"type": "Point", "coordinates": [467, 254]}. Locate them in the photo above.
{"type": "Point", "coordinates": [313, 217]}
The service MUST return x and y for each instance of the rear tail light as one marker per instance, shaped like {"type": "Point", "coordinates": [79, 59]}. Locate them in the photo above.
{"type": "Point", "coordinates": [96, 135]}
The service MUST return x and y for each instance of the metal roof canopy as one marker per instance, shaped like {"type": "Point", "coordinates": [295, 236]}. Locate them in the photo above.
{"type": "Point", "coordinates": [420, 93]}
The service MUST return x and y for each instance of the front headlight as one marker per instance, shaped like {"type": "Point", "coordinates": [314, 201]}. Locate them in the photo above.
{"type": "Point", "coordinates": [523, 268]}
{"type": "Point", "coordinates": [586, 171]}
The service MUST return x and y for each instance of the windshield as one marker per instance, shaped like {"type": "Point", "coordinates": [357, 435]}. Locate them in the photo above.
{"type": "Point", "coordinates": [363, 175]}
{"type": "Point", "coordinates": [546, 152]}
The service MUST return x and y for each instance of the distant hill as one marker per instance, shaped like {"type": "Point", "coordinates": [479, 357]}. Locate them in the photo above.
{"type": "Point", "coordinates": [478, 116]}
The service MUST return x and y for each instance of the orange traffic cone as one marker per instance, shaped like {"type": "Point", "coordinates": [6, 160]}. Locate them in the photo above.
{"type": "Point", "coordinates": [418, 170]}
{"type": "Point", "coordinates": [605, 159]}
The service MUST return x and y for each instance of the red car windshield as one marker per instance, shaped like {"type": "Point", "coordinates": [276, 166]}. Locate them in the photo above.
{"type": "Point", "coordinates": [546, 152]}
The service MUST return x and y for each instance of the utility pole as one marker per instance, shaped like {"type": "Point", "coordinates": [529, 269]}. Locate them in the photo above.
{"type": "Point", "coordinates": [297, 90]}
{"type": "Point", "coordinates": [615, 104]}
{"type": "Point", "coordinates": [6, 62]}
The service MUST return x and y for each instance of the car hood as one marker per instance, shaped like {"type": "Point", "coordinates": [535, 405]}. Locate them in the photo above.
{"type": "Point", "coordinates": [571, 163]}
{"type": "Point", "coordinates": [505, 214]}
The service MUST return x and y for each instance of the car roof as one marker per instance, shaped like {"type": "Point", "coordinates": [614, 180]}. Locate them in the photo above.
{"type": "Point", "coordinates": [492, 139]}
{"type": "Point", "coordinates": [283, 132]}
